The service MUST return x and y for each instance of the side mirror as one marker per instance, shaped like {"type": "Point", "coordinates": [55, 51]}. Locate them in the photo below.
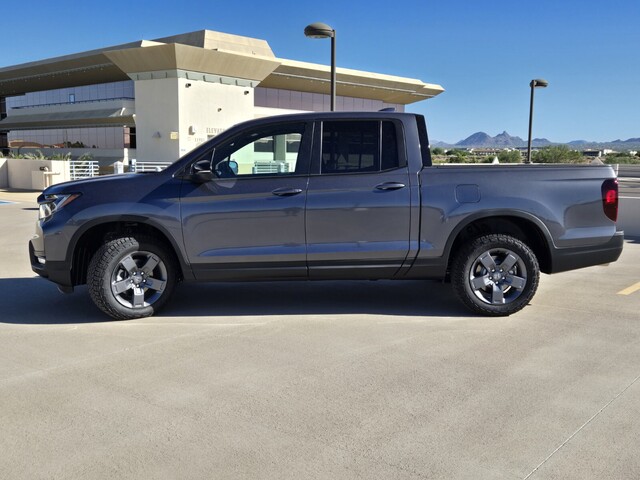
{"type": "Point", "coordinates": [201, 172]}
{"type": "Point", "coordinates": [202, 176]}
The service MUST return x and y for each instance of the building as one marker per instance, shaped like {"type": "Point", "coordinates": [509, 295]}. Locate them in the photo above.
{"type": "Point", "coordinates": [592, 153]}
{"type": "Point", "coordinates": [157, 100]}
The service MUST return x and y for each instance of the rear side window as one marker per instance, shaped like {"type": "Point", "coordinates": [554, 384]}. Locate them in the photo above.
{"type": "Point", "coordinates": [359, 147]}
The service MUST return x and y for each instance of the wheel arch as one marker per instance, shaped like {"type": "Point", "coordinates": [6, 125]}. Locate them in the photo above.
{"type": "Point", "coordinates": [88, 240]}
{"type": "Point", "coordinates": [525, 227]}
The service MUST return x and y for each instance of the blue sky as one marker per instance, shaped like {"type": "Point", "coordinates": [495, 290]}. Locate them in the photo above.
{"type": "Point", "coordinates": [483, 53]}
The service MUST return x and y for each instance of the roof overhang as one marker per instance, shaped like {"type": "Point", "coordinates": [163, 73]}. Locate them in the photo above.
{"type": "Point", "coordinates": [174, 56]}
{"type": "Point", "coordinates": [86, 68]}
{"type": "Point", "coordinates": [310, 77]}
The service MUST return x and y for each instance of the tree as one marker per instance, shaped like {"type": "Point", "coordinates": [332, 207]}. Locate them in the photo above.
{"type": "Point", "coordinates": [556, 154]}
{"type": "Point", "coordinates": [437, 151]}
{"type": "Point", "coordinates": [510, 156]}
{"type": "Point", "coordinates": [457, 156]}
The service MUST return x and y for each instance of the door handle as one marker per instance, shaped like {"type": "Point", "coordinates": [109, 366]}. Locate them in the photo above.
{"type": "Point", "coordinates": [390, 186]}
{"type": "Point", "coordinates": [286, 192]}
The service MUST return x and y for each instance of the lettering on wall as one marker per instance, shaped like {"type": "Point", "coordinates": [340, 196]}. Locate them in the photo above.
{"type": "Point", "coordinates": [214, 130]}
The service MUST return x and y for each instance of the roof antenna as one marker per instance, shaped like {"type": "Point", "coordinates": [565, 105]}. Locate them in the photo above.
{"type": "Point", "coordinates": [388, 109]}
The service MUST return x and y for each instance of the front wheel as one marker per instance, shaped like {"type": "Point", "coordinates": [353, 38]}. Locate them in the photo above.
{"type": "Point", "coordinates": [131, 277]}
{"type": "Point", "coordinates": [495, 275]}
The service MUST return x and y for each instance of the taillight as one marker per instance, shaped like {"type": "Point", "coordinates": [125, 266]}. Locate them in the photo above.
{"type": "Point", "coordinates": [610, 198]}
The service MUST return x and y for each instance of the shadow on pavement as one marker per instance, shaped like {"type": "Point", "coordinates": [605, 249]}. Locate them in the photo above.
{"type": "Point", "coordinates": [38, 301]}
{"type": "Point", "coordinates": [409, 298]}
{"type": "Point", "coordinates": [32, 301]}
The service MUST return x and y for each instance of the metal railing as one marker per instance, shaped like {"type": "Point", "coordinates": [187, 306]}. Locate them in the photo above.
{"type": "Point", "coordinates": [629, 171]}
{"type": "Point", "coordinates": [270, 167]}
{"type": "Point", "coordinates": [139, 167]}
{"type": "Point", "coordinates": [83, 169]}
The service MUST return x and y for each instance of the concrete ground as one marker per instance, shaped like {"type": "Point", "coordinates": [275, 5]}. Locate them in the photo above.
{"type": "Point", "coordinates": [370, 380]}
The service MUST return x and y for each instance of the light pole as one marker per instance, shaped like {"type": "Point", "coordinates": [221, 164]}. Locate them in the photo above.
{"type": "Point", "coordinates": [536, 83]}
{"type": "Point", "coordinates": [322, 30]}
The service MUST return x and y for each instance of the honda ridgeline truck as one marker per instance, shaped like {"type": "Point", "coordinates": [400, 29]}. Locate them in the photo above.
{"type": "Point", "coordinates": [325, 196]}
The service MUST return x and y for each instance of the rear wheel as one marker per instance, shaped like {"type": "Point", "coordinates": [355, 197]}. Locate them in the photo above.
{"type": "Point", "coordinates": [131, 277]}
{"type": "Point", "coordinates": [495, 275]}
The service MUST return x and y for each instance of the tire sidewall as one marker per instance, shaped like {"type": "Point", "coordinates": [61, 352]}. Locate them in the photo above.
{"type": "Point", "coordinates": [461, 272]}
{"type": "Point", "coordinates": [108, 258]}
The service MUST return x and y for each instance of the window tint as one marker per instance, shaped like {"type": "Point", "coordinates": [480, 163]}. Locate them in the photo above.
{"type": "Point", "coordinates": [389, 147]}
{"type": "Point", "coordinates": [271, 151]}
{"type": "Point", "coordinates": [359, 146]}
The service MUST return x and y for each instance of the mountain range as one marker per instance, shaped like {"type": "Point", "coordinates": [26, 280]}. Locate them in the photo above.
{"type": "Point", "coordinates": [504, 140]}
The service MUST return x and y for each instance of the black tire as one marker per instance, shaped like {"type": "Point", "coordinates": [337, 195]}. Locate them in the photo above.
{"type": "Point", "coordinates": [495, 275]}
{"type": "Point", "coordinates": [131, 277]}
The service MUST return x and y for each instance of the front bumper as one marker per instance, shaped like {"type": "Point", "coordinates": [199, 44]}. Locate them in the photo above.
{"type": "Point", "coordinates": [57, 272]}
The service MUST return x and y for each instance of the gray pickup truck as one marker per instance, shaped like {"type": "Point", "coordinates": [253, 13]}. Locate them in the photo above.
{"type": "Point", "coordinates": [325, 196]}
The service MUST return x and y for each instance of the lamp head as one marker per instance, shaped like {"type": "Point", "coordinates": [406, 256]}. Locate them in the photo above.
{"type": "Point", "coordinates": [319, 30]}
{"type": "Point", "coordinates": [539, 83]}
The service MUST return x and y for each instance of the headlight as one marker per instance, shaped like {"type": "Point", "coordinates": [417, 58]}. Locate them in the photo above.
{"type": "Point", "coordinates": [53, 203]}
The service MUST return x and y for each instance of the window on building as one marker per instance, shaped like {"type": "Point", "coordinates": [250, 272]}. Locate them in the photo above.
{"type": "Point", "coordinates": [90, 137]}
{"type": "Point", "coordinates": [129, 137]}
{"type": "Point", "coordinates": [4, 139]}
{"type": "Point", "coordinates": [4, 143]}
{"type": "Point", "coordinates": [359, 147]}
{"type": "Point", "coordinates": [293, 100]}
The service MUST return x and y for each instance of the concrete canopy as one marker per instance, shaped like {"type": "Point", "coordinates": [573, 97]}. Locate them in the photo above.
{"type": "Point", "coordinates": [310, 77]}
{"type": "Point", "coordinates": [86, 68]}
{"type": "Point", "coordinates": [185, 57]}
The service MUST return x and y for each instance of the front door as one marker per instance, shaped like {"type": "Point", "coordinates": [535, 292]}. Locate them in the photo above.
{"type": "Point", "coordinates": [248, 222]}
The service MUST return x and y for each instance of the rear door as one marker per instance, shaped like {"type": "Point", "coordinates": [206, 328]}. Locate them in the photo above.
{"type": "Point", "coordinates": [358, 200]}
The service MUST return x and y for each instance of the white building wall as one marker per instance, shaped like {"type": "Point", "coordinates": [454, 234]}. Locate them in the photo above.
{"type": "Point", "coordinates": [206, 109]}
{"type": "Point", "coordinates": [261, 112]}
{"type": "Point", "coordinates": [4, 172]}
{"type": "Point", "coordinates": [157, 116]}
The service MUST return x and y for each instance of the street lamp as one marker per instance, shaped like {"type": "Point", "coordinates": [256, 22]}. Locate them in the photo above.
{"type": "Point", "coordinates": [536, 83]}
{"type": "Point", "coordinates": [322, 30]}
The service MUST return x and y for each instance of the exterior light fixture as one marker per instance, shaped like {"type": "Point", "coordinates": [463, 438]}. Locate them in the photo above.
{"type": "Point", "coordinates": [536, 83]}
{"type": "Point", "coordinates": [322, 30]}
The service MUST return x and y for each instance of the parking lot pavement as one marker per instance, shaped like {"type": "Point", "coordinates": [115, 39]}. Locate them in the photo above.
{"type": "Point", "coordinates": [318, 380]}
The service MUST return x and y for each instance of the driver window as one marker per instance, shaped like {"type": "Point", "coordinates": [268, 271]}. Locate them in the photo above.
{"type": "Point", "coordinates": [271, 151]}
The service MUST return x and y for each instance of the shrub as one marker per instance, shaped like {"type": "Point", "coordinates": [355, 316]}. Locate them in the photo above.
{"type": "Point", "coordinates": [622, 160]}
{"type": "Point", "coordinates": [61, 156]}
{"type": "Point", "coordinates": [556, 154]}
{"type": "Point", "coordinates": [510, 156]}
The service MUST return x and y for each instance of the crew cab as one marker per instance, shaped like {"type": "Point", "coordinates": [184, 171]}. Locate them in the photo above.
{"type": "Point", "coordinates": [325, 196]}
